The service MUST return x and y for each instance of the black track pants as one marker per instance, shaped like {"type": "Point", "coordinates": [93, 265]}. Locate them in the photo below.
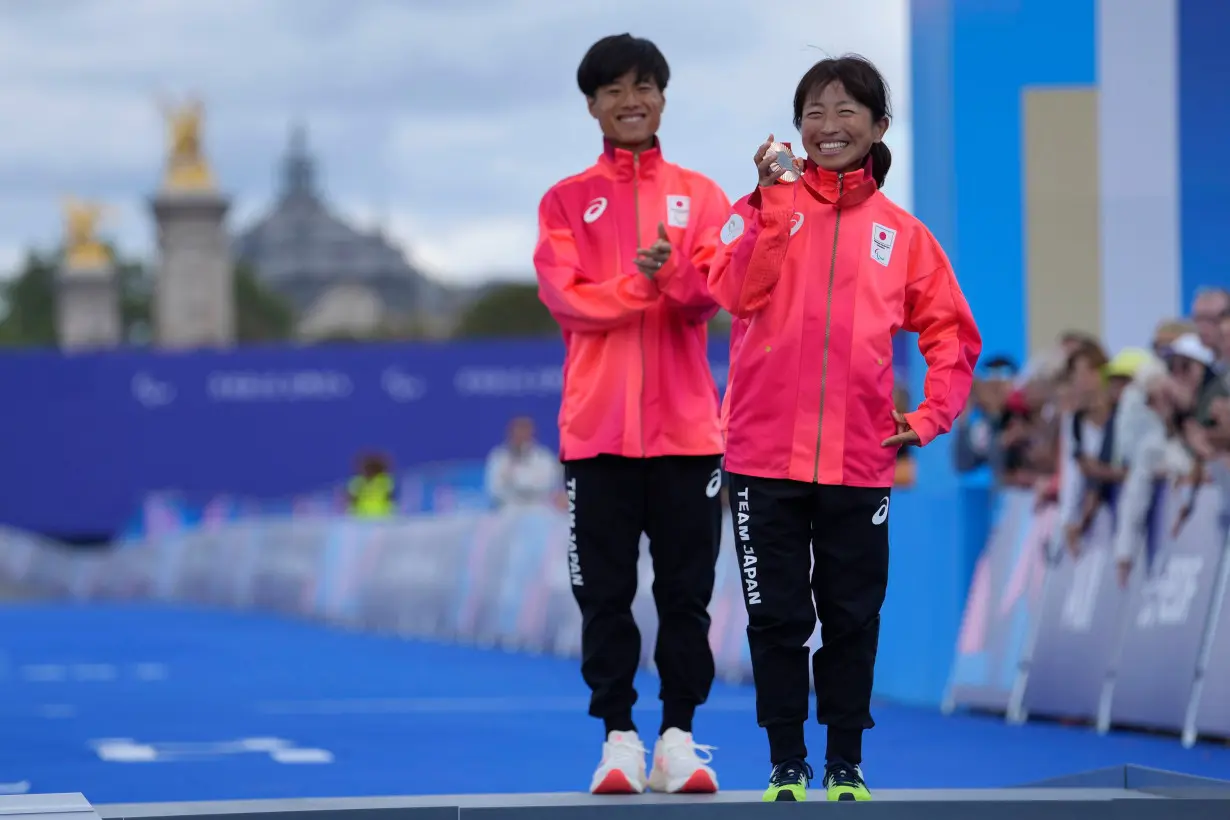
{"type": "Point", "coordinates": [675, 501]}
{"type": "Point", "coordinates": [780, 527]}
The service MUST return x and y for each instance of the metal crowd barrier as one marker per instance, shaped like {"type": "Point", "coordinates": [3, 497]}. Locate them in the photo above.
{"type": "Point", "coordinates": [1051, 635]}
{"type": "Point", "coordinates": [492, 579]}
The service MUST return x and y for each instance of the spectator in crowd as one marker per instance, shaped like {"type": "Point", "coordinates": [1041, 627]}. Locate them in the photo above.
{"type": "Point", "coordinates": [1044, 388]}
{"type": "Point", "coordinates": [1208, 308]}
{"type": "Point", "coordinates": [1224, 352]}
{"type": "Point", "coordinates": [1072, 341]}
{"type": "Point", "coordinates": [1192, 365]}
{"type": "Point", "coordinates": [1011, 453]}
{"type": "Point", "coordinates": [622, 256]}
{"type": "Point", "coordinates": [1124, 405]}
{"type": "Point", "coordinates": [979, 427]}
{"type": "Point", "coordinates": [372, 492]}
{"type": "Point", "coordinates": [1166, 334]}
{"type": "Point", "coordinates": [1200, 395]}
{"type": "Point", "coordinates": [1081, 427]}
{"type": "Point", "coordinates": [1153, 450]}
{"type": "Point", "coordinates": [521, 472]}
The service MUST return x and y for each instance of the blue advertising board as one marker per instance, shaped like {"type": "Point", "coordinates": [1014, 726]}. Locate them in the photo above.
{"type": "Point", "coordinates": [88, 437]}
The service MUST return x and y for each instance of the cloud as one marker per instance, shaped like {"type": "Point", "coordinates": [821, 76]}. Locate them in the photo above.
{"type": "Point", "coordinates": [448, 120]}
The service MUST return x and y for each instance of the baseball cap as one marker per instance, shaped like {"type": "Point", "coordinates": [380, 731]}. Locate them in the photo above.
{"type": "Point", "coordinates": [997, 368]}
{"type": "Point", "coordinates": [1126, 362]}
{"type": "Point", "coordinates": [1189, 346]}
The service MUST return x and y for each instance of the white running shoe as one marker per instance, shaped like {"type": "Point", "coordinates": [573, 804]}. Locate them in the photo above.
{"type": "Point", "coordinates": [622, 770]}
{"type": "Point", "coordinates": [680, 765]}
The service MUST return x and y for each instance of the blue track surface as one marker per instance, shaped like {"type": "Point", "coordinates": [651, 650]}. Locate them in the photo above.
{"type": "Point", "coordinates": [410, 718]}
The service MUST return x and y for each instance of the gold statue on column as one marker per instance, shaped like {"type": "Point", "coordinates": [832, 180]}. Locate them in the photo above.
{"type": "Point", "coordinates": [186, 168]}
{"type": "Point", "coordinates": [82, 249]}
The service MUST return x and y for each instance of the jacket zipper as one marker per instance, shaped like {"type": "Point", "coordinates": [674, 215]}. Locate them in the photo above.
{"type": "Point", "coordinates": [828, 327]}
{"type": "Point", "coordinates": [636, 202]}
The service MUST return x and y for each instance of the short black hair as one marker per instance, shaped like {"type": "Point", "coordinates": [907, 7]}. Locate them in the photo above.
{"type": "Point", "coordinates": [612, 57]}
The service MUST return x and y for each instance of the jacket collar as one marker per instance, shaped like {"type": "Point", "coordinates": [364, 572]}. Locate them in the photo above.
{"type": "Point", "coordinates": [625, 163]}
{"type": "Point", "coordinates": [843, 190]}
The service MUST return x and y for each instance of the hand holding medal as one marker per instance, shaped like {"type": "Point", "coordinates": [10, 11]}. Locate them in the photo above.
{"type": "Point", "coordinates": [774, 162]}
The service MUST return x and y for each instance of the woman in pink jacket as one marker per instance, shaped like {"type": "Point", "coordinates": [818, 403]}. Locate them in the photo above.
{"type": "Point", "coordinates": [822, 272]}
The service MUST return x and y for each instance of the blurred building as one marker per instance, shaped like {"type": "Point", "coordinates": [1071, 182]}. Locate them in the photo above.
{"type": "Point", "coordinates": [341, 280]}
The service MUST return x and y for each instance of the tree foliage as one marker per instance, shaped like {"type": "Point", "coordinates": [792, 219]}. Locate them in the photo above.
{"type": "Point", "coordinates": [509, 309]}
{"type": "Point", "coordinates": [261, 315]}
{"type": "Point", "coordinates": [29, 302]}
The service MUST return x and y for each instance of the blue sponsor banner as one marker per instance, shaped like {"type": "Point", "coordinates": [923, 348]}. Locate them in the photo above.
{"type": "Point", "coordinates": [1171, 601]}
{"type": "Point", "coordinates": [89, 437]}
{"type": "Point", "coordinates": [1212, 713]}
{"type": "Point", "coordinates": [1004, 601]}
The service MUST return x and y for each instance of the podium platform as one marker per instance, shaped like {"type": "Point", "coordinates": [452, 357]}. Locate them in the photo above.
{"type": "Point", "coordinates": [1118, 793]}
{"type": "Point", "coordinates": [46, 807]}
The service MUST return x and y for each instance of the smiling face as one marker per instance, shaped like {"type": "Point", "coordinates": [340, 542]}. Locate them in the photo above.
{"type": "Point", "coordinates": [629, 111]}
{"type": "Point", "coordinates": [837, 130]}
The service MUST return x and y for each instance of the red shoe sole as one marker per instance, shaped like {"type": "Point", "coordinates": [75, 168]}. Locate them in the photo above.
{"type": "Point", "coordinates": [615, 782]}
{"type": "Point", "coordinates": [699, 783]}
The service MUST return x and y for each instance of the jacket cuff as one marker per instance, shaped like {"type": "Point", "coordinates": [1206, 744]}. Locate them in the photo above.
{"type": "Point", "coordinates": [920, 422]}
{"type": "Point", "coordinates": [662, 277]}
{"type": "Point", "coordinates": [773, 198]}
{"type": "Point", "coordinates": [642, 287]}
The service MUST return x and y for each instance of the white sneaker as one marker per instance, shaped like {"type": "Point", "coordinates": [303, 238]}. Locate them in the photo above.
{"type": "Point", "coordinates": [678, 765]}
{"type": "Point", "coordinates": [622, 770]}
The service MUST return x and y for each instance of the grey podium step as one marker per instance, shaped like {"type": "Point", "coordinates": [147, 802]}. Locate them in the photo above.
{"type": "Point", "coordinates": [46, 807]}
{"type": "Point", "coordinates": [930, 804]}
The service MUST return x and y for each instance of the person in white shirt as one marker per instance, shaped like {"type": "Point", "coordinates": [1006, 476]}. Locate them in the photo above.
{"type": "Point", "coordinates": [1153, 451]}
{"type": "Point", "coordinates": [521, 471]}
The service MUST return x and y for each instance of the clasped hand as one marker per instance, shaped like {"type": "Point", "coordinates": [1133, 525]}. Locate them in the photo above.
{"type": "Point", "coordinates": [650, 260]}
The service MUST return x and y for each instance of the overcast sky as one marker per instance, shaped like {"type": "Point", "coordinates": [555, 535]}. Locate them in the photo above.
{"type": "Point", "coordinates": [444, 120]}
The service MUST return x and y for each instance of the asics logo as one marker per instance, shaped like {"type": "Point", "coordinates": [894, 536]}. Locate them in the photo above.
{"type": "Point", "coordinates": [796, 222]}
{"type": "Point", "coordinates": [715, 484]}
{"type": "Point", "coordinates": [594, 210]}
{"type": "Point", "coordinates": [881, 514]}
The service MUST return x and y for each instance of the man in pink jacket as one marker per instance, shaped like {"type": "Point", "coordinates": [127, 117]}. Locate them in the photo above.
{"type": "Point", "coordinates": [623, 253]}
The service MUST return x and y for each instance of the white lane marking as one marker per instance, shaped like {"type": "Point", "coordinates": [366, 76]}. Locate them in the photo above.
{"type": "Point", "coordinates": [128, 750]}
{"type": "Point", "coordinates": [92, 672]}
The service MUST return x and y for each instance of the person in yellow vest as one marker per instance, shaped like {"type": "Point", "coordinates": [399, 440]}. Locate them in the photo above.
{"type": "Point", "coordinates": [372, 491]}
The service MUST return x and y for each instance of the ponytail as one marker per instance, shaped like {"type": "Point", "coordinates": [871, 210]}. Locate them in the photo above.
{"type": "Point", "coordinates": [881, 161]}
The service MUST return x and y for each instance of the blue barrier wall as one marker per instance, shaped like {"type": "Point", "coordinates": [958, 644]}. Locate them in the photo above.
{"type": "Point", "coordinates": [1204, 115]}
{"type": "Point", "coordinates": [86, 437]}
{"type": "Point", "coordinates": [970, 61]}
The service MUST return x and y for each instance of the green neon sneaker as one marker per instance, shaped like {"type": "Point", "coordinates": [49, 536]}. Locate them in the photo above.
{"type": "Point", "coordinates": [788, 783]}
{"type": "Point", "coordinates": [844, 782]}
